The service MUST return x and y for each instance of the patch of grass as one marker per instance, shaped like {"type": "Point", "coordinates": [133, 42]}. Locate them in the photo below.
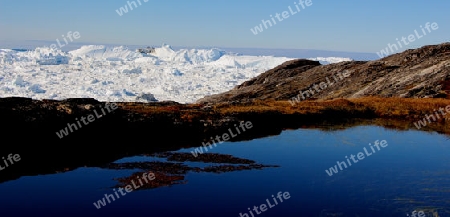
{"type": "Point", "coordinates": [393, 108]}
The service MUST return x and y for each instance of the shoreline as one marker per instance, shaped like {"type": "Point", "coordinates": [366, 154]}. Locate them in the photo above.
{"type": "Point", "coordinates": [136, 128]}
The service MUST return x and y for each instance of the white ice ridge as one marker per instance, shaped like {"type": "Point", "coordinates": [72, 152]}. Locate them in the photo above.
{"type": "Point", "coordinates": [118, 74]}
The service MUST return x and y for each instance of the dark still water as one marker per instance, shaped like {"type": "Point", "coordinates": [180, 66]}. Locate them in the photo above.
{"type": "Point", "coordinates": [409, 171]}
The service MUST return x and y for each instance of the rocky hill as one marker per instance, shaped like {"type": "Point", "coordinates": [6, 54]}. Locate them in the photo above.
{"type": "Point", "coordinates": [418, 73]}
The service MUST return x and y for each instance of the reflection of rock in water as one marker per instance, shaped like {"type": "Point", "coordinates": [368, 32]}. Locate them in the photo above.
{"type": "Point", "coordinates": [170, 173]}
{"type": "Point", "coordinates": [329, 213]}
{"type": "Point", "coordinates": [205, 158]}
{"type": "Point", "coordinates": [161, 179]}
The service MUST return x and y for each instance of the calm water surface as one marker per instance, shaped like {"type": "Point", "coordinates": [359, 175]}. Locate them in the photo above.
{"type": "Point", "coordinates": [411, 173]}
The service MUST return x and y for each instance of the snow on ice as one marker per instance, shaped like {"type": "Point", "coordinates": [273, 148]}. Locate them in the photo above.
{"type": "Point", "coordinates": [118, 74]}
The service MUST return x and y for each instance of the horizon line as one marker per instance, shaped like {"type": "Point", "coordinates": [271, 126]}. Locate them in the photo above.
{"type": "Point", "coordinates": [177, 46]}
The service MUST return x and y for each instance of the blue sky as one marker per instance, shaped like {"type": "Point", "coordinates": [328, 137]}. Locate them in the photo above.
{"type": "Point", "coordinates": [338, 25]}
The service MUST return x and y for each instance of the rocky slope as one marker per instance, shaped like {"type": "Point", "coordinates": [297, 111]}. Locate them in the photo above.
{"type": "Point", "coordinates": [418, 73]}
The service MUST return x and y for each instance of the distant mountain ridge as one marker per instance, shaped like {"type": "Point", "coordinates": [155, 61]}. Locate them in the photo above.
{"type": "Point", "coordinates": [415, 73]}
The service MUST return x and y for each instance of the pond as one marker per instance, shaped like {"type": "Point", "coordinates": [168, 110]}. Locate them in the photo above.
{"type": "Point", "coordinates": [398, 173]}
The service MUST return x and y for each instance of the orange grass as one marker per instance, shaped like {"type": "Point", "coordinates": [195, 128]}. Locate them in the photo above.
{"type": "Point", "coordinates": [382, 107]}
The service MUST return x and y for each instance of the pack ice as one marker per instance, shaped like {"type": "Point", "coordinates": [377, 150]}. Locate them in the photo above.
{"type": "Point", "coordinates": [118, 74]}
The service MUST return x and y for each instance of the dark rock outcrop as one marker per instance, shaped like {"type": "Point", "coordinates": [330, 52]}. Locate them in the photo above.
{"type": "Point", "coordinates": [418, 73]}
